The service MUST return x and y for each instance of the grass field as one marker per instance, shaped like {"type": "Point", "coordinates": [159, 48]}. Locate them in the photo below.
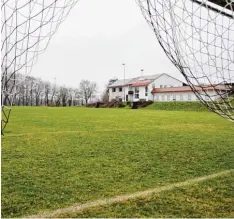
{"type": "Point", "coordinates": [213, 198]}
{"type": "Point", "coordinates": [57, 157]}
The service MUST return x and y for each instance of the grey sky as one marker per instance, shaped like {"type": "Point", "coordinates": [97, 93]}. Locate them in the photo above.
{"type": "Point", "coordinates": [94, 41]}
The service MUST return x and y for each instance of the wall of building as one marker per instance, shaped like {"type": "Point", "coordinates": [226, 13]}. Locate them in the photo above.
{"type": "Point", "coordinates": [175, 96]}
{"type": "Point", "coordinates": [179, 96]}
{"type": "Point", "coordinates": [161, 82]}
{"type": "Point", "coordinates": [117, 93]}
{"type": "Point", "coordinates": [166, 81]}
{"type": "Point", "coordinates": [142, 94]}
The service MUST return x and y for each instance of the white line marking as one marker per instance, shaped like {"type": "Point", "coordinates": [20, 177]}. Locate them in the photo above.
{"type": "Point", "coordinates": [123, 198]}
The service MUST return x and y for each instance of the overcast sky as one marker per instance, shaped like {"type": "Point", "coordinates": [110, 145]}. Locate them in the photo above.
{"type": "Point", "coordinates": [94, 41]}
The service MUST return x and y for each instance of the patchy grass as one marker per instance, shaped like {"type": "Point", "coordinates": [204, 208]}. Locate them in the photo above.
{"type": "Point", "coordinates": [206, 199]}
{"type": "Point", "coordinates": [55, 157]}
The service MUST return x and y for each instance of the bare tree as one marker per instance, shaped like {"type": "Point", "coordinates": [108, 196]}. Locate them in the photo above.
{"type": "Point", "coordinates": [71, 97]}
{"type": "Point", "coordinates": [53, 93]}
{"type": "Point", "coordinates": [105, 95]}
{"type": "Point", "coordinates": [33, 91]}
{"type": "Point", "coordinates": [8, 79]}
{"type": "Point", "coordinates": [31, 81]}
{"type": "Point", "coordinates": [47, 87]}
{"type": "Point", "coordinates": [77, 97]}
{"type": "Point", "coordinates": [64, 95]}
{"type": "Point", "coordinates": [57, 98]}
{"type": "Point", "coordinates": [27, 89]}
{"type": "Point", "coordinates": [38, 92]}
{"type": "Point", "coordinates": [87, 88]}
{"type": "Point", "coordinates": [18, 89]}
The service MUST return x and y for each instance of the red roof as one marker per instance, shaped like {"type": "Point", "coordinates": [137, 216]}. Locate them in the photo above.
{"type": "Point", "coordinates": [171, 89]}
{"type": "Point", "coordinates": [185, 88]}
{"type": "Point", "coordinates": [140, 83]}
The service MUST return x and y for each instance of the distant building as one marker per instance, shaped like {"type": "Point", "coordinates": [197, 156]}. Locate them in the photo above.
{"type": "Point", "coordinates": [160, 87]}
{"type": "Point", "coordinates": [140, 88]}
{"type": "Point", "coordinates": [185, 93]}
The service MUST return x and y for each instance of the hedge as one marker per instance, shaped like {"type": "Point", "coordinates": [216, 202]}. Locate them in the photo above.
{"type": "Point", "coordinates": [178, 105]}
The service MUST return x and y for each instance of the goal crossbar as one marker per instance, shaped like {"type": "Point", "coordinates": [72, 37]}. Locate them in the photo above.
{"type": "Point", "coordinates": [220, 6]}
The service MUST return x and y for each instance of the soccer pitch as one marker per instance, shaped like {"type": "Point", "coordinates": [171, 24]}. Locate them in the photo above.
{"type": "Point", "coordinates": [55, 158]}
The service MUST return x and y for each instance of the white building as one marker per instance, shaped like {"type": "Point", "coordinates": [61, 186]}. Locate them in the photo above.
{"type": "Point", "coordinates": [140, 88]}
{"type": "Point", "coordinates": [160, 87]}
{"type": "Point", "coordinates": [185, 93]}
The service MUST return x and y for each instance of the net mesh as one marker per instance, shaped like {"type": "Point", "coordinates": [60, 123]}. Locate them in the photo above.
{"type": "Point", "coordinates": [27, 27]}
{"type": "Point", "coordinates": [198, 37]}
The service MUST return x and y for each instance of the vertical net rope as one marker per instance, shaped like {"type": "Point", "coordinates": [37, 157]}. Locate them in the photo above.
{"type": "Point", "coordinates": [27, 27]}
{"type": "Point", "coordinates": [198, 37]}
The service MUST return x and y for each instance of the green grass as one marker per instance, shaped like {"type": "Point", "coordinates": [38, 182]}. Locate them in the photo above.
{"type": "Point", "coordinates": [56, 157]}
{"type": "Point", "coordinates": [214, 198]}
{"type": "Point", "coordinates": [178, 106]}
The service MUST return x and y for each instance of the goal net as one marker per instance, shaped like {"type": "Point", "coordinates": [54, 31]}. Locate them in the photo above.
{"type": "Point", "coordinates": [198, 37]}
{"type": "Point", "coordinates": [27, 27]}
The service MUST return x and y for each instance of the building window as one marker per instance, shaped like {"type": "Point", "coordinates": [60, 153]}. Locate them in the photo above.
{"type": "Point", "coordinates": [120, 89]}
{"type": "Point", "coordinates": [146, 91]}
{"type": "Point", "coordinates": [181, 97]}
{"type": "Point", "coordinates": [161, 86]}
{"type": "Point", "coordinates": [162, 97]}
{"type": "Point", "coordinates": [174, 97]}
{"type": "Point", "coordinates": [137, 92]}
{"type": "Point", "coordinates": [189, 97]}
{"type": "Point", "coordinates": [113, 89]}
{"type": "Point", "coordinates": [157, 97]}
{"type": "Point", "coordinates": [168, 97]}
{"type": "Point", "coordinates": [165, 86]}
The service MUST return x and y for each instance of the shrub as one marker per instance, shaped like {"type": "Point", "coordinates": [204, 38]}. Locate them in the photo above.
{"type": "Point", "coordinates": [121, 105]}
{"type": "Point", "coordinates": [91, 105]}
{"type": "Point", "coordinates": [178, 105]}
{"type": "Point", "coordinates": [146, 103]}
{"type": "Point", "coordinates": [52, 105]}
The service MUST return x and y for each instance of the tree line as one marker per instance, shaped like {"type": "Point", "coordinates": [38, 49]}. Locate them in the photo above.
{"type": "Point", "coordinates": [32, 91]}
